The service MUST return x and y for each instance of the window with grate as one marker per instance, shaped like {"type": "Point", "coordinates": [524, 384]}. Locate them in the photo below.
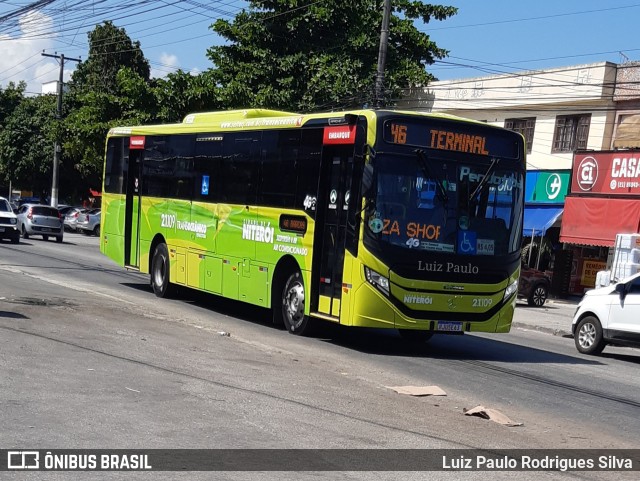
{"type": "Point", "coordinates": [525, 126]}
{"type": "Point", "coordinates": [571, 133]}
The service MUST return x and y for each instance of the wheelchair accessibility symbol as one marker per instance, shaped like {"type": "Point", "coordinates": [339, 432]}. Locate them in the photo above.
{"type": "Point", "coordinates": [467, 242]}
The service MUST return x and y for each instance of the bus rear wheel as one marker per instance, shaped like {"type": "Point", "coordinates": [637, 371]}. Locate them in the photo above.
{"type": "Point", "coordinates": [160, 271]}
{"type": "Point", "coordinates": [293, 301]}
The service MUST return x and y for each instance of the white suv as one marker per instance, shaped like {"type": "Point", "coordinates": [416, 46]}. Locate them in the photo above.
{"type": "Point", "coordinates": [8, 222]}
{"type": "Point", "coordinates": [609, 315]}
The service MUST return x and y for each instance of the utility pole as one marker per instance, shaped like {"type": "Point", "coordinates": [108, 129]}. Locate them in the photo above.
{"type": "Point", "coordinates": [57, 147]}
{"type": "Point", "coordinates": [382, 53]}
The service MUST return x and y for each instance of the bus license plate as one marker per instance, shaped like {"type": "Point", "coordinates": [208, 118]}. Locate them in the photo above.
{"type": "Point", "coordinates": [452, 326]}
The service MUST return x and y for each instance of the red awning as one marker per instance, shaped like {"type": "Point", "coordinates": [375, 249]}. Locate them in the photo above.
{"type": "Point", "coordinates": [94, 193]}
{"type": "Point", "coordinates": [596, 221]}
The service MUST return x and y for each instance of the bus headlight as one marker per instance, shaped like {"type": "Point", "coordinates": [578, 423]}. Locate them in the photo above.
{"type": "Point", "coordinates": [511, 288]}
{"type": "Point", "coordinates": [378, 280]}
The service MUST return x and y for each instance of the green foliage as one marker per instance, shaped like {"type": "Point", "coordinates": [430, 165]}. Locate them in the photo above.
{"type": "Point", "coordinates": [292, 55]}
{"type": "Point", "coordinates": [111, 88]}
{"type": "Point", "coordinates": [26, 143]}
{"type": "Point", "coordinates": [110, 49]}
{"type": "Point", "coordinates": [10, 98]}
{"type": "Point", "coordinates": [181, 93]}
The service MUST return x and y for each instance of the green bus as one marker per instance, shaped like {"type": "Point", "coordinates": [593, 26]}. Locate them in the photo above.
{"type": "Point", "coordinates": [369, 218]}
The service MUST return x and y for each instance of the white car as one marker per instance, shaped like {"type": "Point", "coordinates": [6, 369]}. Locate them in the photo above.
{"type": "Point", "coordinates": [608, 315]}
{"type": "Point", "coordinates": [8, 222]}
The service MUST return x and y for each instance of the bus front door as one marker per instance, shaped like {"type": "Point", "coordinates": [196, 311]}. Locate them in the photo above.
{"type": "Point", "coordinates": [331, 222]}
{"type": "Point", "coordinates": [132, 211]}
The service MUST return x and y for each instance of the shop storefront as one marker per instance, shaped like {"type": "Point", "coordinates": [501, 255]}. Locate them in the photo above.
{"type": "Point", "coordinates": [544, 204]}
{"type": "Point", "coordinates": [604, 200]}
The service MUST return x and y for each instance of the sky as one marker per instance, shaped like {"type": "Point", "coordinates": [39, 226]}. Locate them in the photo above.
{"type": "Point", "coordinates": [485, 37]}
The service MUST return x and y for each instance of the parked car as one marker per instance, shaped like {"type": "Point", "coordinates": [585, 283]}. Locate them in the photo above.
{"type": "Point", "coordinates": [71, 218]}
{"type": "Point", "coordinates": [608, 315]}
{"type": "Point", "coordinates": [8, 222]}
{"type": "Point", "coordinates": [533, 286]}
{"type": "Point", "coordinates": [89, 222]}
{"type": "Point", "coordinates": [35, 219]}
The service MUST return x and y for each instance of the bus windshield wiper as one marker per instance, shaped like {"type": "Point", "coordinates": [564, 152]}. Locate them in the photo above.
{"type": "Point", "coordinates": [429, 172]}
{"type": "Point", "coordinates": [494, 163]}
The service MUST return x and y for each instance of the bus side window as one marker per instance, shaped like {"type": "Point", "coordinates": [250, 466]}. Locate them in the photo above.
{"type": "Point", "coordinates": [240, 168]}
{"type": "Point", "coordinates": [168, 167]}
{"type": "Point", "coordinates": [278, 170]}
{"type": "Point", "coordinates": [115, 168]}
{"type": "Point", "coordinates": [207, 159]}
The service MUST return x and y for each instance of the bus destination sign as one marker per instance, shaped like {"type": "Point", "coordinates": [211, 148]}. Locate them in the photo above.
{"type": "Point", "coordinates": [293, 223]}
{"type": "Point", "coordinates": [458, 138]}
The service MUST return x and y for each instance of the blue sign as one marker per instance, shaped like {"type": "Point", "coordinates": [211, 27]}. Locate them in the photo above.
{"type": "Point", "coordinates": [467, 242]}
{"type": "Point", "coordinates": [204, 190]}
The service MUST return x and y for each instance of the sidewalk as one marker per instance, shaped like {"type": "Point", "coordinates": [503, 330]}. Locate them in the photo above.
{"type": "Point", "coordinates": [554, 317]}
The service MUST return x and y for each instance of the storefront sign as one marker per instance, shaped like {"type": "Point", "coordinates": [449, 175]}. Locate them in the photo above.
{"type": "Point", "coordinates": [589, 270]}
{"type": "Point", "coordinates": [547, 187]}
{"type": "Point", "coordinates": [609, 173]}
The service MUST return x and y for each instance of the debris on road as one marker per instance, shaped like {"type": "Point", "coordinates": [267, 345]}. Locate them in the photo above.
{"type": "Point", "coordinates": [491, 414]}
{"type": "Point", "coordinates": [419, 390]}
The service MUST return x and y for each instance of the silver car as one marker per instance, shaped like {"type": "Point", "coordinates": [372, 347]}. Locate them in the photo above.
{"type": "Point", "coordinates": [71, 218]}
{"type": "Point", "coordinates": [89, 222]}
{"type": "Point", "coordinates": [35, 219]}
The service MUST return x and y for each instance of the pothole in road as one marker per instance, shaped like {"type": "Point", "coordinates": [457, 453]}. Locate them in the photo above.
{"type": "Point", "coordinates": [39, 301]}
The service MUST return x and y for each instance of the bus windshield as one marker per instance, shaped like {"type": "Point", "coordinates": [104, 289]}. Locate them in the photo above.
{"type": "Point", "coordinates": [446, 205]}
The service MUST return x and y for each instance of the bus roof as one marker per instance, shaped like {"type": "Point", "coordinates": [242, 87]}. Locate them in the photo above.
{"type": "Point", "coordinates": [262, 118]}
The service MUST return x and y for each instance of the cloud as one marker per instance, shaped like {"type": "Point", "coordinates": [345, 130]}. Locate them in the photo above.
{"type": "Point", "coordinates": [167, 63]}
{"type": "Point", "coordinates": [21, 57]}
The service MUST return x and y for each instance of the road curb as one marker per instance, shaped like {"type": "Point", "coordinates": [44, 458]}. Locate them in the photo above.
{"type": "Point", "coordinates": [548, 330]}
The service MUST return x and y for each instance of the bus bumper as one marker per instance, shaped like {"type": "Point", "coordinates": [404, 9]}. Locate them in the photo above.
{"type": "Point", "coordinates": [372, 309]}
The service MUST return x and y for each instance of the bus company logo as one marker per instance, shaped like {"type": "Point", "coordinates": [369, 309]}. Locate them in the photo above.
{"type": "Point", "coordinates": [23, 460]}
{"type": "Point", "coordinates": [258, 232]}
{"type": "Point", "coordinates": [421, 300]}
{"type": "Point", "coordinates": [554, 186]}
{"type": "Point", "coordinates": [587, 173]}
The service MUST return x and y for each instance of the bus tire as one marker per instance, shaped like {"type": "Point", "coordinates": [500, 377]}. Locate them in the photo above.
{"type": "Point", "coordinates": [292, 305]}
{"type": "Point", "coordinates": [160, 271]}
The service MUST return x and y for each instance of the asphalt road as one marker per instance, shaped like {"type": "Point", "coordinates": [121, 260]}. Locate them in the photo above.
{"type": "Point", "coordinates": [90, 358]}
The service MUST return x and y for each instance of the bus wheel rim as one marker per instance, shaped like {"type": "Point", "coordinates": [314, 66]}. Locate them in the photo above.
{"type": "Point", "coordinates": [294, 304]}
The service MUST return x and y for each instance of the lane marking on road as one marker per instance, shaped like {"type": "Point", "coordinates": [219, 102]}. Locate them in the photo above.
{"type": "Point", "coordinates": [67, 284]}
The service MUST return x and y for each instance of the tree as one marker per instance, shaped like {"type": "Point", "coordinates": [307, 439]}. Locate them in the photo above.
{"type": "Point", "coordinates": [110, 49]}
{"type": "Point", "coordinates": [10, 98]}
{"type": "Point", "coordinates": [111, 88]}
{"type": "Point", "coordinates": [26, 143]}
{"type": "Point", "coordinates": [300, 56]}
{"type": "Point", "coordinates": [182, 93]}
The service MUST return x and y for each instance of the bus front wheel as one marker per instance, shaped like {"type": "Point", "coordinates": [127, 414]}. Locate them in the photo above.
{"type": "Point", "coordinates": [160, 271]}
{"type": "Point", "coordinates": [293, 301]}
